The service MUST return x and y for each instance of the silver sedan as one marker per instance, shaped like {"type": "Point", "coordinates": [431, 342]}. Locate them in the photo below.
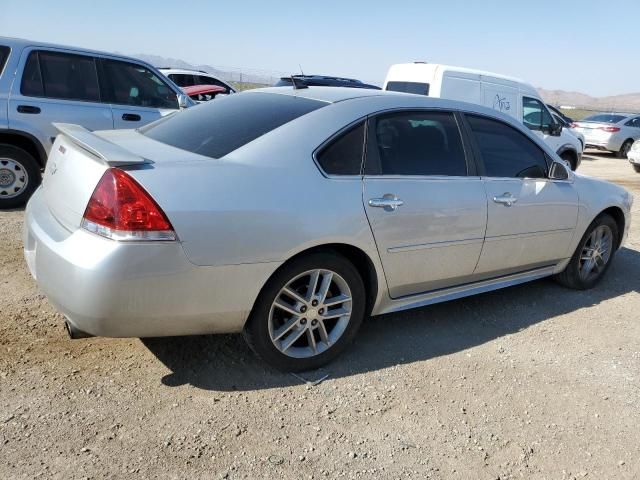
{"type": "Point", "coordinates": [615, 132]}
{"type": "Point", "coordinates": [292, 214]}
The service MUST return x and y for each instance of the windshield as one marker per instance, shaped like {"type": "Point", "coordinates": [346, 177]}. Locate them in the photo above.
{"type": "Point", "coordinates": [215, 129]}
{"type": "Point", "coordinates": [605, 118]}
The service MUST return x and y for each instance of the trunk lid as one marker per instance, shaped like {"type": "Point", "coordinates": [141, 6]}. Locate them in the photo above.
{"type": "Point", "coordinates": [77, 161]}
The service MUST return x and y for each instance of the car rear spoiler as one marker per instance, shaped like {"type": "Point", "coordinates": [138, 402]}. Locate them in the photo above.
{"type": "Point", "coordinates": [108, 152]}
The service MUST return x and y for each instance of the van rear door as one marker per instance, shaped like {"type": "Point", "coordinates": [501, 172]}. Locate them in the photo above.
{"type": "Point", "coordinates": [4, 92]}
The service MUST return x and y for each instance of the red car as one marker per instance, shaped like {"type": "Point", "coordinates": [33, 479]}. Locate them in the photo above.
{"type": "Point", "coordinates": [203, 93]}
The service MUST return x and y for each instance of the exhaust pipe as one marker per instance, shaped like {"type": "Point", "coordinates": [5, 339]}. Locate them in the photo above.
{"type": "Point", "coordinates": [75, 333]}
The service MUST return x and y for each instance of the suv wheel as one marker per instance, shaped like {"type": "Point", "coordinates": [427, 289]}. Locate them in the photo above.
{"type": "Point", "coordinates": [593, 256]}
{"type": "Point", "coordinates": [19, 176]}
{"type": "Point", "coordinates": [307, 313]}
{"type": "Point", "coordinates": [624, 149]}
{"type": "Point", "coordinates": [570, 159]}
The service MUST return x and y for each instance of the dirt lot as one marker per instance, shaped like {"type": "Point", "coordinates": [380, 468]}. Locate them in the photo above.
{"type": "Point", "coordinates": [535, 381]}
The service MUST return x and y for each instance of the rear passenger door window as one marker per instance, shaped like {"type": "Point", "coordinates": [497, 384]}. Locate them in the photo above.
{"type": "Point", "coordinates": [4, 55]}
{"type": "Point", "coordinates": [183, 80]}
{"type": "Point", "coordinates": [61, 75]}
{"type": "Point", "coordinates": [417, 143]}
{"type": "Point", "coordinates": [634, 122]}
{"type": "Point", "coordinates": [126, 83]}
{"type": "Point", "coordinates": [343, 155]}
{"type": "Point", "coordinates": [505, 151]}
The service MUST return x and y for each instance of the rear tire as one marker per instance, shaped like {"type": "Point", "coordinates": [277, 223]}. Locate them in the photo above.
{"type": "Point", "coordinates": [636, 168]}
{"type": "Point", "coordinates": [300, 336]}
{"type": "Point", "coordinates": [577, 274]}
{"type": "Point", "coordinates": [624, 149]}
{"type": "Point", "coordinates": [19, 176]}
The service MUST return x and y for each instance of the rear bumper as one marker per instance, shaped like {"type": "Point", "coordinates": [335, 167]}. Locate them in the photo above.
{"type": "Point", "coordinates": [120, 289]}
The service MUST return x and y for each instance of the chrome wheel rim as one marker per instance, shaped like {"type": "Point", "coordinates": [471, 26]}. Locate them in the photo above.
{"type": "Point", "coordinates": [310, 313]}
{"type": "Point", "coordinates": [13, 178]}
{"type": "Point", "coordinates": [596, 253]}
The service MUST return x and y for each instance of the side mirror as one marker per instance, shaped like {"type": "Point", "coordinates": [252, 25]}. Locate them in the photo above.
{"type": "Point", "coordinates": [559, 171]}
{"type": "Point", "coordinates": [183, 101]}
{"type": "Point", "coordinates": [555, 129]}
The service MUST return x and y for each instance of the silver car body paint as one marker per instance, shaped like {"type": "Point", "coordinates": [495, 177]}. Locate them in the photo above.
{"type": "Point", "coordinates": [240, 217]}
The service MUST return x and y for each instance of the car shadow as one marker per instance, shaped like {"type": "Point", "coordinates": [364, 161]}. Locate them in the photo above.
{"type": "Point", "coordinates": [225, 363]}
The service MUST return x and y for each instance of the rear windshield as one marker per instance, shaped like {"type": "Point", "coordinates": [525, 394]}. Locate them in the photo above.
{"type": "Point", "coordinates": [217, 128]}
{"type": "Point", "coordinates": [4, 54]}
{"type": "Point", "coordinates": [409, 87]}
{"type": "Point", "coordinates": [604, 118]}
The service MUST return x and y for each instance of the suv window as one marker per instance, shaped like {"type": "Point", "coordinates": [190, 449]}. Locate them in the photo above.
{"type": "Point", "coordinates": [535, 116]}
{"type": "Point", "coordinates": [343, 156]}
{"type": "Point", "coordinates": [419, 143]}
{"type": "Point", "coordinates": [183, 79]}
{"type": "Point", "coordinates": [505, 151]}
{"type": "Point", "coordinates": [60, 75]}
{"type": "Point", "coordinates": [204, 80]}
{"type": "Point", "coordinates": [409, 87]}
{"type": "Point", "coordinates": [132, 84]}
{"type": "Point", "coordinates": [215, 129]}
{"type": "Point", "coordinates": [4, 54]}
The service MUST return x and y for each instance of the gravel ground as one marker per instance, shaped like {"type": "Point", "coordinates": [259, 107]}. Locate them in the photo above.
{"type": "Point", "coordinates": [534, 381]}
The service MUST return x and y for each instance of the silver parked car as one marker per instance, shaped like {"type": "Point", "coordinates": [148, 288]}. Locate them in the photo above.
{"type": "Point", "coordinates": [615, 132]}
{"type": "Point", "coordinates": [291, 214]}
{"type": "Point", "coordinates": [42, 83]}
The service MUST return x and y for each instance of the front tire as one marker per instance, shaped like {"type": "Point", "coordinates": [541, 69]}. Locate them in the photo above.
{"type": "Point", "coordinates": [19, 176]}
{"type": "Point", "coordinates": [624, 149]}
{"type": "Point", "coordinates": [307, 313]}
{"type": "Point", "coordinates": [593, 256]}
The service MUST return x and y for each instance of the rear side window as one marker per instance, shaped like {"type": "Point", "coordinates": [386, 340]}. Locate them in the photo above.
{"type": "Point", "coordinates": [343, 156]}
{"type": "Point", "coordinates": [417, 143]}
{"type": "Point", "coordinates": [127, 83]}
{"type": "Point", "coordinates": [409, 87]}
{"type": "Point", "coordinates": [215, 129]}
{"type": "Point", "coordinates": [4, 54]}
{"type": "Point", "coordinates": [604, 118]}
{"type": "Point", "coordinates": [182, 79]}
{"type": "Point", "coordinates": [505, 151]}
{"type": "Point", "coordinates": [60, 75]}
{"type": "Point", "coordinates": [204, 80]}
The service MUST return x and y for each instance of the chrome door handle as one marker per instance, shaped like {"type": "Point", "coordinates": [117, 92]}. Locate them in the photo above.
{"type": "Point", "coordinates": [506, 199]}
{"type": "Point", "coordinates": [389, 202]}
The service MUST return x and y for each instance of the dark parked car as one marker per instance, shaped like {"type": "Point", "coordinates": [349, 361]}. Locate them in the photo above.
{"type": "Point", "coordinates": [323, 81]}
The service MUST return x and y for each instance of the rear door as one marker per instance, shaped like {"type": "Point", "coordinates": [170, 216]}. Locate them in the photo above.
{"type": "Point", "coordinates": [56, 86]}
{"type": "Point", "coordinates": [137, 94]}
{"type": "Point", "coordinates": [426, 207]}
{"type": "Point", "coordinates": [531, 219]}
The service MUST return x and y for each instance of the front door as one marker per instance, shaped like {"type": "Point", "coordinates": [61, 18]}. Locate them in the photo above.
{"type": "Point", "coordinates": [537, 118]}
{"type": "Point", "coordinates": [531, 219]}
{"type": "Point", "coordinates": [427, 214]}
{"type": "Point", "coordinates": [137, 95]}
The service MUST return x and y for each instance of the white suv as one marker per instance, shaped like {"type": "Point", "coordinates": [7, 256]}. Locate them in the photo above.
{"type": "Point", "coordinates": [189, 78]}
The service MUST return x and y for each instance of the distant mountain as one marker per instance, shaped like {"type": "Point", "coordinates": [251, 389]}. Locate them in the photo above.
{"type": "Point", "coordinates": [629, 102]}
{"type": "Point", "coordinates": [229, 75]}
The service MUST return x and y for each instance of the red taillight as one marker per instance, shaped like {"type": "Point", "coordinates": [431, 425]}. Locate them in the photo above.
{"type": "Point", "coordinates": [610, 129]}
{"type": "Point", "coordinates": [122, 210]}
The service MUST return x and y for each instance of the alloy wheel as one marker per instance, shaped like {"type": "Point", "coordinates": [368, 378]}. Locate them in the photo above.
{"type": "Point", "coordinates": [310, 313]}
{"type": "Point", "coordinates": [596, 253]}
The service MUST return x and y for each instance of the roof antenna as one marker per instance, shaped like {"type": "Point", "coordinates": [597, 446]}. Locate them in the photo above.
{"type": "Point", "coordinates": [301, 70]}
{"type": "Point", "coordinates": [297, 83]}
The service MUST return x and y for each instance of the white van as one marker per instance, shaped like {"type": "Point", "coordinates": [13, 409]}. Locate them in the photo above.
{"type": "Point", "coordinates": [509, 95]}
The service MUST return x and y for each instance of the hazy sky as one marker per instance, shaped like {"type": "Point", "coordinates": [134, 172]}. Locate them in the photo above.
{"type": "Point", "coordinates": [561, 44]}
